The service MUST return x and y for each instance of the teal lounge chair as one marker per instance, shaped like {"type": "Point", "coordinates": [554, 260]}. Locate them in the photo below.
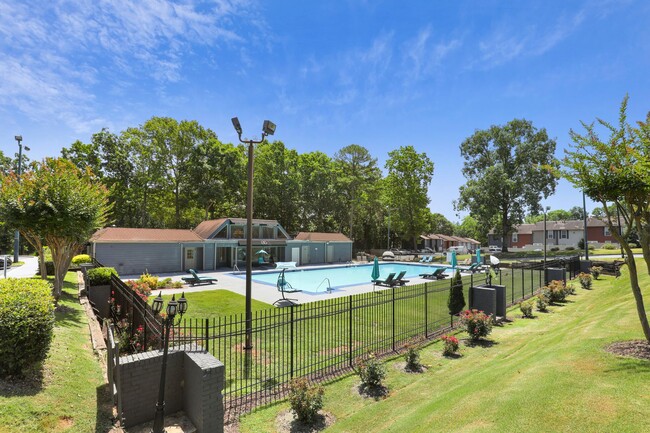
{"type": "Point", "coordinates": [387, 282]}
{"type": "Point", "coordinates": [195, 279]}
{"type": "Point", "coordinates": [400, 279]}
{"type": "Point", "coordinates": [425, 259]}
{"type": "Point", "coordinates": [438, 274]}
{"type": "Point", "coordinates": [429, 259]}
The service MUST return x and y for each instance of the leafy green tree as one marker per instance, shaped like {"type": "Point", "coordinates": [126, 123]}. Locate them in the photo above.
{"type": "Point", "coordinates": [85, 155]}
{"type": "Point", "coordinates": [456, 298]}
{"type": "Point", "coordinates": [438, 223]}
{"type": "Point", "coordinates": [357, 174]}
{"type": "Point", "coordinates": [616, 173]}
{"type": "Point", "coordinates": [470, 228]}
{"type": "Point", "coordinates": [598, 212]}
{"type": "Point", "coordinates": [505, 178]}
{"type": "Point", "coordinates": [56, 204]}
{"type": "Point", "coordinates": [407, 186]}
{"type": "Point", "coordinates": [576, 213]}
{"type": "Point", "coordinates": [317, 180]}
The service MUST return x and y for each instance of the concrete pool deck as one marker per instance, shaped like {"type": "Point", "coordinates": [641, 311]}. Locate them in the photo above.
{"type": "Point", "coordinates": [267, 293]}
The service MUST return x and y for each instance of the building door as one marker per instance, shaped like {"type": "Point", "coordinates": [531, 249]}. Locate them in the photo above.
{"type": "Point", "coordinates": [330, 254]}
{"type": "Point", "coordinates": [295, 255]}
{"type": "Point", "coordinates": [190, 258]}
{"type": "Point", "coordinates": [305, 255]}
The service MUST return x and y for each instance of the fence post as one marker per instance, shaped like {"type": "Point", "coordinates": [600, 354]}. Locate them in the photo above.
{"type": "Point", "coordinates": [426, 310]}
{"type": "Point", "coordinates": [512, 283]}
{"type": "Point", "coordinates": [350, 329]}
{"type": "Point", "coordinates": [291, 344]}
{"type": "Point", "coordinates": [393, 312]}
{"type": "Point", "coordinates": [207, 335]}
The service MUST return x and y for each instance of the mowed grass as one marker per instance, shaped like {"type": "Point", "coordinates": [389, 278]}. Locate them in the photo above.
{"type": "Point", "coordinates": [214, 303]}
{"type": "Point", "coordinates": [547, 374]}
{"type": "Point", "coordinates": [71, 395]}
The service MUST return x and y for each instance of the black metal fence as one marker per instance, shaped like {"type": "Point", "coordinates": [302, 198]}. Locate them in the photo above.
{"type": "Point", "coordinates": [323, 339]}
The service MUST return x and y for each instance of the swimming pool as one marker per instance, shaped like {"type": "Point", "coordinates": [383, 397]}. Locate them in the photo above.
{"type": "Point", "coordinates": [314, 280]}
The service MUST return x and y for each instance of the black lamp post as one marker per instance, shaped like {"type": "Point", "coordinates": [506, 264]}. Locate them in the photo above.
{"type": "Point", "coordinates": [268, 128]}
{"type": "Point", "coordinates": [545, 210]}
{"type": "Point", "coordinates": [19, 139]}
{"type": "Point", "coordinates": [584, 212]}
{"type": "Point", "coordinates": [173, 307]}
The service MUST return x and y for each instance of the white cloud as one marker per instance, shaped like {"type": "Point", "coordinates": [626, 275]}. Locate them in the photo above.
{"type": "Point", "coordinates": [57, 54]}
{"type": "Point", "coordinates": [423, 56]}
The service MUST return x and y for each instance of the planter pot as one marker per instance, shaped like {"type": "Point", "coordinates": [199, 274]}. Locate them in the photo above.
{"type": "Point", "coordinates": [555, 274]}
{"type": "Point", "coordinates": [100, 296]}
{"type": "Point", "coordinates": [489, 299]}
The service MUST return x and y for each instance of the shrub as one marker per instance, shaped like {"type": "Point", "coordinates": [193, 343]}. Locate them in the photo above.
{"type": "Point", "coordinates": [100, 276]}
{"type": "Point", "coordinates": [555, 291]}
{"type": "Point", "coordinates": [49, 267]}
{"type": "Point", "coordinates": [371, 371]}
{"type": "Point", "coordinates": [526, 308]}
{"type": "Point", "coordinates": [596, 271]}
{"type": "Point", "coordinates": [585, 280]}
{"type": "Point", "coordinates": [150, 280]}
{"type": "Point", "coordinates": [140, 288]}
{"type": "Point", "coordinates": [555, 249]}
{"type": "Point", "coordinates": [163, 284]}
{"type": "Point", "coordinates": [412, 357]}
{"type": "Point", "coordinates": [476, 323]}
{"type": "Point", "coordinates": [26, 324]}
{"type": "Point", "coordinates": [570, 248]}
{"type": "Point", "coordinates": [456, 299]}
{"type": "Point", "coordinates": [305, 399]}
{"type": "Point", "coordinates": [177, 285]}
{"type": "Point", "coordinates": [591, 247]}
{"type": "Point", "coordinates": [450, 345]}
{"type": "Point", "coordinates": [81, 258]}
{"type": "Point", "coordinates": [570, 289]}
{"type": "Point", "coordinates": [609, 246]}
{"type": "Point", "coordinates": [542, 302]}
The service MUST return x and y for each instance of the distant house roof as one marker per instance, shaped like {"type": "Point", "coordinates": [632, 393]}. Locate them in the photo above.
{"type": "Point", "coordinates": [207, 228]}
{"type": "Point", "coordinates": [322, 237]}
{"type": "Point", "coordinates": [123, 234]}
{"type": "Point", "coordinates": [527, 229]}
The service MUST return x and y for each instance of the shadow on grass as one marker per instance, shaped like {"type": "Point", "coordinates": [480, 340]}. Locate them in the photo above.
{"type": "Point", "coordinates": [374, 392]}
{"type": "Point", "coordinates": [480, 343]}
{"type": "Point", "coordinates": [28, 386]}
{"type": "Point", "coordinates": [104, 414]}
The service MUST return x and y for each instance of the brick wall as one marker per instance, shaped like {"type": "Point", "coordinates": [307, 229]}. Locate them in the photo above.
{"type": "Point", "coordinates": [194, 384]}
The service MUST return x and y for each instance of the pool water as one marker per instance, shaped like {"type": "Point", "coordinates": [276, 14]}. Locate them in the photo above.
{"type": "Point", "coordinates": [315, 280]}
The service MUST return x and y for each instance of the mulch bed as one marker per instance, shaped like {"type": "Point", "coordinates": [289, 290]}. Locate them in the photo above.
{"type": "Point", "coordinates": [639, 349]}
{"type": "Point", "coordinates": [286, 422]}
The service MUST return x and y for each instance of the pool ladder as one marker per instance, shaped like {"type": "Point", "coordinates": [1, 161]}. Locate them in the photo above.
{"type": "Point", "coordinates": [329, 285]}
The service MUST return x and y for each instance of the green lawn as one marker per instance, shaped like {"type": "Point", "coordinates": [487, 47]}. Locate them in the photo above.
{"type": "Point", "coordinates": [216, 303]}
{"type": "Point", "coordinates": [545, 374]}
{"type": "Point", "coordinates": [71, 396]}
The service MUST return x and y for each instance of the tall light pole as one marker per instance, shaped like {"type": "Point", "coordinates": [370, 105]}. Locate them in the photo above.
{"type": "Point", "coordinates": [268, 128]}
{"type": "Point", "coordinates": [19, 139]}
{"type": "Point", "coordinates": [584, 215]}
{"type": "Point", "coordinates": [545, 210]}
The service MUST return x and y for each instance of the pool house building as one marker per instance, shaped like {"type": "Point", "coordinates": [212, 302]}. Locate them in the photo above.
{"type": "Point", "coordinates": [213, 245]}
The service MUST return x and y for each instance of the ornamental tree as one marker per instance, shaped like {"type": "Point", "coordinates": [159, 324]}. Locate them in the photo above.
{"type": "Point", "coordinates": [505, 178]}
{"type": "Point", "coordinates": [616, 173]}
{"type": "Point", "coordinates": [456, 299]}
{"type": "Point", "coordinates": [55, 204]}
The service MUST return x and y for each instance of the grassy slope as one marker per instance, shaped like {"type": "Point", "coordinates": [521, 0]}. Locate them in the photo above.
{"type": "Point", "coordinates": [546, 374]}
{"type": "Point", "coordinates": [67, 400]}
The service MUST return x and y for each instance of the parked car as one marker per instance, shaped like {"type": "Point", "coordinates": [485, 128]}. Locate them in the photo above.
{"type": "Point", "coordinates": [2, 262]}
{"type": "Point", "coordinates": [459, 249]}
{"type": "Point", "coordinates": [495, 249]}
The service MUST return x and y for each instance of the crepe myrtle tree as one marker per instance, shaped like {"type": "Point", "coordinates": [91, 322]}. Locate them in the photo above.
{"type": "Point", "coordinates": [615, 172]}
{"type": "Point", "coordinates": [505, 175]}
{"type": "Point", "coordinates": [55, 204]}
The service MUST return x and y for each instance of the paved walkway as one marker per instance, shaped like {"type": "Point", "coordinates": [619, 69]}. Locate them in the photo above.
{"type": "Point", "coordinates": [29, 269]}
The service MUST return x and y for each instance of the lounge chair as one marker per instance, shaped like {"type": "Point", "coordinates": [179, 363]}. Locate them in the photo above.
{"type": "Point", "coordinates": [475, 267]}
{"type": "Point", "coordinates": [400, 279]}
{"type": "Point", "coordinates": [195, 279]}
{"type": "Point", "coordinates": [438, 274]}
{"type": "Point", "coordinates": [283, 287]}
{"type": "Point", "coordinates": [387, 282]}
{"type": "Point", "coordinates": [425, 259]}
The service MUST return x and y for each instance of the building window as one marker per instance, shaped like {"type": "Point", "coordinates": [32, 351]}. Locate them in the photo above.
{"type": "Point", "coordinates": [189, 254]}
{"type": "Point", "coordinates": [550, 235]}
{"type": "Point", "coordinates": [515, 237]}
{"type": "Point", "coordinates": [564, 234]}
{"type": "Point", "coordinates": [237, 231]}
{"type": "Point", "coordinates": [606, 231]}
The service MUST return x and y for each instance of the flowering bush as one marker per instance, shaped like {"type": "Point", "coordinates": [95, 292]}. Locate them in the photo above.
{"type": "Point", "coordinates": [371, 371]}
{"type": "Point", "coordinates": [412, 357]}
{"type": "Point", "coordinates": [149, 280]}
{"type": "Point", "coordinates": [555, 291]}
{"type": "Point", "coordinates": [542, 302]}
{"type": "Point", "coordinates": [305, 399]}
{"type": "Point", "coordinates": [142, 289]}
{"type": "Point", "coordinates": [595, 271]}
{"type": "Point", "coordinates": [450, 345]}
{"type": "Point", "coordinates": [585, 280]}
{"type": "Point", "coordinates": [476, 323]}
{"type": "Point", "coordinates": [526, 308]}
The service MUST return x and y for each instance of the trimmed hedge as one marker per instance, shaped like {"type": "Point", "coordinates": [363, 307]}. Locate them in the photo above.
{"type": "Point", "coordinates": [100, 276]}
{"type": "Point", "coordinates": [49, 267]}
{"type": "Point", "coordinates": [26, 324]}
{"type": "Point", "coordinates": [81, 258]}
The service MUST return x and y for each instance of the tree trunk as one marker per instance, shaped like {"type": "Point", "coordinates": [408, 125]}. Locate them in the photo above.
{"type": "Point", "coordinates": [638, 296]}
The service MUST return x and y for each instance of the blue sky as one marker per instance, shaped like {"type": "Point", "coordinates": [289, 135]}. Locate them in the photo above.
{"type": "Point", "coordinates": [382, 74]}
